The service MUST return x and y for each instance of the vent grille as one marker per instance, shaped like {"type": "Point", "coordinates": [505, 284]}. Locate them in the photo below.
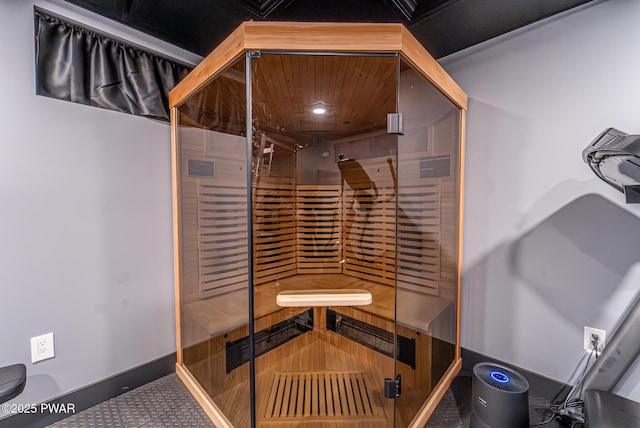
{"type": "Point", "coordinates": [373, 337]}
{"type": "Point", "coordinates": [320, 395]}
{"type": "Point", "coordinates": [268, 339]}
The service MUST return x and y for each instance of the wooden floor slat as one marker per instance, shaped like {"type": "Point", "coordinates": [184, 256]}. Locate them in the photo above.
{"type": "Point", "coordinates": [321, 395]}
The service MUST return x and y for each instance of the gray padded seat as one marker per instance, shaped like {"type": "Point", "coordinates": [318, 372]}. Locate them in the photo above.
{"type": "Point", "coordinates": [12, 381]}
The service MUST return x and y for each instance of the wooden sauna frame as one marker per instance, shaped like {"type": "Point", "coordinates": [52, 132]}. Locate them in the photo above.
{"type": "Point", "coordinates": [314, 37]}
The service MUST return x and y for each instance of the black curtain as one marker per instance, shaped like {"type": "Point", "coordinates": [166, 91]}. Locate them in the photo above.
{"type": "Point", "coordinates": [78, 65]}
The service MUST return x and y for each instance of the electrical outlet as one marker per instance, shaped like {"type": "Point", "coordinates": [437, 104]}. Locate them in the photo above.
{"type": "Point", "coordinates": [42, 347]}
{"type": "Point", "coordinates": [589, 332]}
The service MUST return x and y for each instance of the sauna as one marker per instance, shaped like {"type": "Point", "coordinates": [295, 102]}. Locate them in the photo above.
{"type": "Point", "coordinates": [317, 178]}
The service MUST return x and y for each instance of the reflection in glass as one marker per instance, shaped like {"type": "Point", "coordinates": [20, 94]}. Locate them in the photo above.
{"type": "Point", "coordinates": [428, 159]}
{"type": "Point", "coordinates": [215, 261]}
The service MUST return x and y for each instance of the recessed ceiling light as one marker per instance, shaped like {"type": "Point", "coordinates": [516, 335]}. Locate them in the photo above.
{"type": "Point", "coordinates": [319, 110]}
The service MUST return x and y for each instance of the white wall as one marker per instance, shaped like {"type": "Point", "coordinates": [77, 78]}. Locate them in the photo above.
{"type": "Point", "coordinates": [85, 228]}
{"type": "Point", "coordinates": [548, 247]}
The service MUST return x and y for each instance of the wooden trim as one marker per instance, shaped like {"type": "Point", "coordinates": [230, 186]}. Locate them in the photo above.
{"type": "Point", "coordinates": [463, 120]}
{"type": "Point", "coordinates": [322, 36]}
{"type": "Point", "coordinates": [223, 55]}
{"type": "Point", "coordinates": [212, 411]}
{"type": "Point", "coordinates": [177, 263]}
{"type": "Point", "coordinates": [318, 37]}
{"type": "Point", "coordinates": [436, 395]}
{"type": "Point", "coordinates": [419, 58]}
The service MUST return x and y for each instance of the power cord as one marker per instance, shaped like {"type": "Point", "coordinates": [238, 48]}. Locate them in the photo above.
{"type": "Point", "coordinates": [569, 412]}
{"type": "Point", "coordinates": [595, 343]}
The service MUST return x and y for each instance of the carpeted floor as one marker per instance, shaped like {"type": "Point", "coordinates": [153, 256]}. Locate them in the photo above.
{"type": "Point", "coordinates": [166, 403]}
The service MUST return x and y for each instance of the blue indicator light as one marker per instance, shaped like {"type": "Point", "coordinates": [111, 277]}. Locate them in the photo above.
{"type": "Point", "coordinates": [499, 377]}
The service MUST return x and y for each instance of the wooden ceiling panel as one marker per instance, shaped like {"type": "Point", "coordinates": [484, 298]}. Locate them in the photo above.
{"type": "Point", "coordinates": [356, 91]}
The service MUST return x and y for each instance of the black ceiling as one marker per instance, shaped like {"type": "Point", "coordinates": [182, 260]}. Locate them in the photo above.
{"type": "Point", "coordinates": [442, 26]}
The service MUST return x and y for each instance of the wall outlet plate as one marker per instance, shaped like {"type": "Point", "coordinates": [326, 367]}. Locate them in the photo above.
{"type": "Point", "coordinates": [42, 347]}
{"type": "Point", "coordinates": [588, 334]}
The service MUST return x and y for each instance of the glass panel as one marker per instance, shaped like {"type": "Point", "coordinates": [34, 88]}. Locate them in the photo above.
{"type": "Point", "coordinates": [324, 222]}
{"type": "Point", "coordinates": [213, 214]}
{"type": "Point", "coordinates": [428, 206]}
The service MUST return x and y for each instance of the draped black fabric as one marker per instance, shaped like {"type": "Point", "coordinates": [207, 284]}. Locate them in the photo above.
{"type": "Point", "coordinates": [77, 65]}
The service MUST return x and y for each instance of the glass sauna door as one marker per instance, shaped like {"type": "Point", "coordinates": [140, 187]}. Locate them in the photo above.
{"type": "Point", "coordinates": [324, 190]}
